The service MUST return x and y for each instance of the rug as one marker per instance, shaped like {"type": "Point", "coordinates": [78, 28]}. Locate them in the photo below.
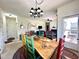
{"type": "Point", "coordinates": [67, 54]}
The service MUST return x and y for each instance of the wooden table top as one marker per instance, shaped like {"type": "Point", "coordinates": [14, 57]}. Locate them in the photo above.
{"type": "Point", "coordinates": [47, 51]}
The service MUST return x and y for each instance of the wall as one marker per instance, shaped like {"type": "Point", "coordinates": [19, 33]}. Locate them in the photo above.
{"type": "Point", "coordinates": [1, 24]}
{"type": "Point", "coordinates": [25, 21]}
{"type": "Point", "coordinates": [41, 22]}
{"type": "Point", "coordinates": [22, 21]}
{"type": "Point", "coordinates": [69, 9]}
{"type": "Point", "coordinates": [53, 23]}
{"type": "Point", "coordinates": [32, 24]}
{"type": "Point", "coordinates": [37, 22]}
{"type": "Point", "coordinates": [1, 33]}
{"type": "Point", "coordinates": [4, 24]}
{"type": "Point", "coordinates": [29, 24]}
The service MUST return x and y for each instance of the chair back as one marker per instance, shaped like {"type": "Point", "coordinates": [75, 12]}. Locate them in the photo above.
{"type": "Point", "coordinates": [41, 33]}
{"type": "Point", "coordinates": [30, 47]}
{"type": "Point", "coordinates": [60, 48]}
{"type": "Point", "coordinates": [24, 39]}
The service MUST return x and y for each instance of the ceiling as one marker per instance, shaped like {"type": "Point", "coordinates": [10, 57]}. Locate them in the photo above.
{"type": "Point", "coordinates": [22, 7]}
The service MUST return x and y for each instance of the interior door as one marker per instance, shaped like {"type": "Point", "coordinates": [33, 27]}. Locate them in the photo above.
{"type": "Point", "coordinates": [11, 27]}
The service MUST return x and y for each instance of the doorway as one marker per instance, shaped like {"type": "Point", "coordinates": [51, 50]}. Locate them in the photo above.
{"type": "Point", "coordinates": [11, 27]}
{"type": "Point", "coordinates": [47, 26]}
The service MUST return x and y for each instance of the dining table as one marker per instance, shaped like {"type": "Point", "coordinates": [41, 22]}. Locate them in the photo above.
{"type": "Point", "coordinates": [45, 47]}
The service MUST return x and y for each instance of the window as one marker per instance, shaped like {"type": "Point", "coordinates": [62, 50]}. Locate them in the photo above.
{"type": "Point", "coordinates": [71, 29]}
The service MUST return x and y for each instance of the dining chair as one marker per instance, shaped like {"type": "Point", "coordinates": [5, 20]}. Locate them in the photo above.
{"type": "Point", "coordinates": [41, 33]}
{"type": "Point", "coordinates": [21, 53]}
{"type": "Point", "coordinates": [59, 51]}
{"type": "Point", "coordinates": [24, 39]}
{"type": "Point", "coordinates": [30, 48]}
{"type": "Point", "coordinates": [60, 48]}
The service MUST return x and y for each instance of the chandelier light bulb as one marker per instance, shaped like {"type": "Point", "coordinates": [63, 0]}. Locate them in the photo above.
{"type": "Point", "coordinates": [32, 10]}
{"type": "Point", "coordinates": [30, 13]}
{"type": "Point", "coordinates": [41, 12]}
{"type": "Point", "coordinates": [38, 9]}
{"type": "Point", "coordinates": [36, 15]}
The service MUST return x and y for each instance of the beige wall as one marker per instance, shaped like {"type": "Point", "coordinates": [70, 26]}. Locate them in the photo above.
{"type": "Point", "coordinates": [1, 24]}
{"type": "Point", "coordinates": [69, 9]}
{"type": "Point", "coordinates": [19, 20]}
{"type": "Point", "coordinates": [22, 21]}
{"type": "Point", "coordinates": [41, 22]}
{"type": "Point", "coordinates": [1, 33]}
{"type": "Point", "coordinates": [28, 22]}
{"type": "Point", "coordinates": [38, 22]}
{"type": "Point", "coordinates": [53, 23]}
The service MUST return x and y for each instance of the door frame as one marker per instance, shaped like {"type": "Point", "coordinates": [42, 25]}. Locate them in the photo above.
{"type": "Point", "coordinates": [5, 24]}
{"type": "Point", "coordinates": [48, 26]}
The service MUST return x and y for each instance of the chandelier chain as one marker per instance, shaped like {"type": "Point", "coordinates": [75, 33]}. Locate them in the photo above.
{"type": "Point", "coordinates": [38, 3]}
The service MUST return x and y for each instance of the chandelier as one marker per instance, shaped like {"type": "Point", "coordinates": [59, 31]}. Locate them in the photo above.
{"type": "Point", "coordinates": [36, 12]}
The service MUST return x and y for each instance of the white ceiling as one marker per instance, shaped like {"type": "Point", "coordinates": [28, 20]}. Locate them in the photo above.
{"type": "Point", "coordinates": [22, 7]}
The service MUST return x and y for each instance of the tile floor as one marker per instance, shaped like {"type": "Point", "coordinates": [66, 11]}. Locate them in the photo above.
{"type": "Point", "coordinates": [10, 49]}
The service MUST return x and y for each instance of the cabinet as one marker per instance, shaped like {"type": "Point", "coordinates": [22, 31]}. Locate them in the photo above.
{"type": "Point", "coordinates": [51, 34]}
